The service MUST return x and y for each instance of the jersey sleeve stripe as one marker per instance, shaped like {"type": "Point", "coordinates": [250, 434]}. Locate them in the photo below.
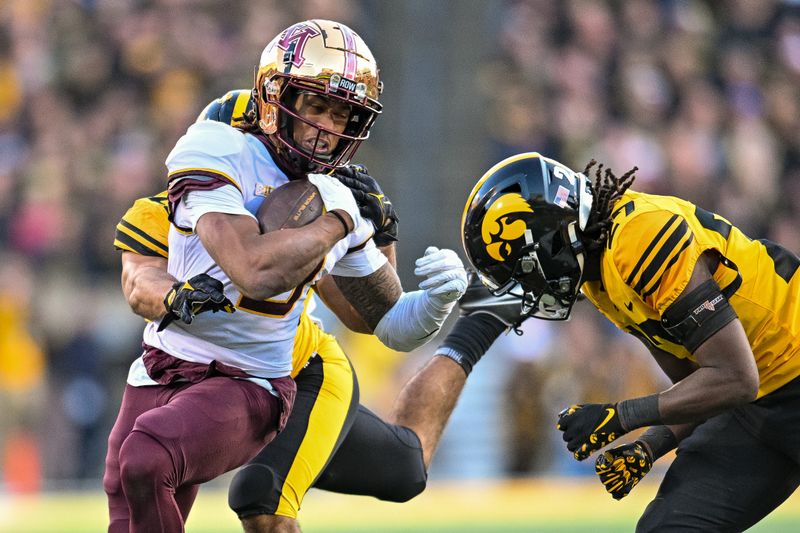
{"type": "Point", "coordinates": [194, 179]}
{"type": "Point", "coordinates": [672, 261]}
{"type": "Point", "coordinates": [663, 255]}
{"type": "Point", "coordinates": [649, 249]}
{"type": "Point", "coordinates": [125, 242]}
{"type": "Point", "coordinates": [138, 232]}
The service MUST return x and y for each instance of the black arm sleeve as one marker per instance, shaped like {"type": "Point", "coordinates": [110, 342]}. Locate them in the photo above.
{"type": "Point", "coordinates": [698, 315]}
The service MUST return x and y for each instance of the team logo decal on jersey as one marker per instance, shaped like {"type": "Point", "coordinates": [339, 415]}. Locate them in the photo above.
{"type": "Point", "coordinates": [262, 190]}
{"type": "Point", "coordinates": [500, 228]}
{"type": "Point", "coordinates": [293, 42]}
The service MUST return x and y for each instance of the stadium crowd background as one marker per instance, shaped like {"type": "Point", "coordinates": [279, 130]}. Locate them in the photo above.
{"type": "Point", "coordinates": [703, 96]}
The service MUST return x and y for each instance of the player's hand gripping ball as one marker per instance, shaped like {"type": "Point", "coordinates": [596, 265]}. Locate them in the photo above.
{"type": "Point", "coordinates": [622, 468]}
{"type": "Point", "coordinates": [589, 427]}
{"type": "Point", "coordinates": [373, 204]}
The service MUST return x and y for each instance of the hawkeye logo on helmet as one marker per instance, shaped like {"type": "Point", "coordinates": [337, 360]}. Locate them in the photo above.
{"type": "Point", "coordinates": [499, 229]}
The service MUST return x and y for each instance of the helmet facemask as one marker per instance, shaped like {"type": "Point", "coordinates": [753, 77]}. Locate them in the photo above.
{"type": "Point", "coordinates": [550, 281]}
{"type": "Point", "coordinates": [356, 130]}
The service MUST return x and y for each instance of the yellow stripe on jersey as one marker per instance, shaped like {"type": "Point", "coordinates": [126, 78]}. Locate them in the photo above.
{"type": "Point", "coordinates": [306, 340]}
{"type": "Point", "coordinates": [144, 227]}
{"type": "Point", "coordinates": [654, 245]}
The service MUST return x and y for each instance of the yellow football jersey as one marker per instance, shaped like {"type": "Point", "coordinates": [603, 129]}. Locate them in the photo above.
{"type": "Point", "coordinates": [653, 246]}
{"type": "Point", "coordinates": [144, 229]}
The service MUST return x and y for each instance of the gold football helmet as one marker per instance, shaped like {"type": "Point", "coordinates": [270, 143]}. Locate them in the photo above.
{"type": "Point", "coordinates": [319, 57]}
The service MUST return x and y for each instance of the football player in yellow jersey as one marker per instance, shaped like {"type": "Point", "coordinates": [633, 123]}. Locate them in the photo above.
{"type": "Point", "coordinates": [720, 313]}
{"type": "Point", "coordinates": [330, 441]}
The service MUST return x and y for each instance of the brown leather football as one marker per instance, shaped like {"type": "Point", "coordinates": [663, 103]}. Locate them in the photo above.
{"type": "Point", "coordinates": [292, 205]}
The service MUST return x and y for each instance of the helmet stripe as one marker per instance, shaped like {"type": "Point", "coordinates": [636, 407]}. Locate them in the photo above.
{"type": "Point", "coordinates": [240, 107]}
{"type": "Point", "coordinates": [349, 49]}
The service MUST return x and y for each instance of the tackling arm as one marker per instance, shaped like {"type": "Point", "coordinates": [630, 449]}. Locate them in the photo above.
{"type": "Point", "coordinates": [145, 281]}
{"type": "Point", "coordinates": [404, 321]}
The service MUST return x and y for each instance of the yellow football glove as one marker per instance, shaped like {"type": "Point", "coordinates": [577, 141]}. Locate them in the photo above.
{"type": "Point", "coordinates": [622, 468]}
{"type": "Point", "coordinates": [589, 427]}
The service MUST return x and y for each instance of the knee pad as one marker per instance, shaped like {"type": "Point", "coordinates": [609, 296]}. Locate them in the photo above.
{"type": "Point", "coordinates": [254, 490]}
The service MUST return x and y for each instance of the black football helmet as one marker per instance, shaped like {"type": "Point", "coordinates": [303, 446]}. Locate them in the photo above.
{"type": "Point", "coordinates": [231, 108]}
{"type": "Point", "coordinates": [521, 230]}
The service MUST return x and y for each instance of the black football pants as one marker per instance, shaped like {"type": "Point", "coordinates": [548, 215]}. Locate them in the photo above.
{"type": "Point", "coordinates": [733, 470]}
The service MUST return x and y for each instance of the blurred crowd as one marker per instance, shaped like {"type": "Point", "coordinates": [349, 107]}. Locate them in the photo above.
{"type": "Point", "coordinates": [703, 96]}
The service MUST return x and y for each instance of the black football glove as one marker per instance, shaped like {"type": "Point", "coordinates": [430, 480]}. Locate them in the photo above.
{"type": "Point", "coordinates": [479, 299]}
{"type": "Point", "coordinates": [622, 468]}
{"type": "Point", "coordinates": [372, 203]}
{"type": "Point", "coordinates": [589, 427]}
{"type": "Point", "coordinates": [187, 299]}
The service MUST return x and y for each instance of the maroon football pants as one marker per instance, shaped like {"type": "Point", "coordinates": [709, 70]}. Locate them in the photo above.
{"type": "Point", "coordinates": [170, 438]}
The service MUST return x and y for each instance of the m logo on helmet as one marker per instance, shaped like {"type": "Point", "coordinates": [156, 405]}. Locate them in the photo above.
{"type": "Point", "coordinates": [293, 42]}
{"type": "Point", "coordinates": [499, 229]}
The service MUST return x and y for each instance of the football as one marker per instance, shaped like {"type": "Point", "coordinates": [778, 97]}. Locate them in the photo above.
{"type": "Point", "coordinates": [292, 205]}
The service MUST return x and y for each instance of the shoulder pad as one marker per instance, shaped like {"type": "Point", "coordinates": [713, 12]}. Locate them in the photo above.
{"type": "Point", "coordinates": [211, 138]}
{"type": "Point", "coordinates": [229, 108]}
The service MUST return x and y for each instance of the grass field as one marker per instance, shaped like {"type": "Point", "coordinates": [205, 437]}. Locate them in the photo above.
{"type": "Point", "coordinates": [540, 506]}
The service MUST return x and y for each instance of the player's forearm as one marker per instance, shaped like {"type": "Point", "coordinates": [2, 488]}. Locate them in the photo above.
{"type": "Point", "coordinates": [390, 251]}
{"type": "Point", "coordinates": [262, 266]}
{"type": "Point", "coordinates": [333, 298]}
{"type": "Point", "coordinates": [706, 392]}
{"type": "Point", "coordinates": [145, 282]}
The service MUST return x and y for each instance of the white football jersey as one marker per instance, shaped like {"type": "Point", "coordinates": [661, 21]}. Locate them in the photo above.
{"type": "Point", "coordinates": [215, 167]}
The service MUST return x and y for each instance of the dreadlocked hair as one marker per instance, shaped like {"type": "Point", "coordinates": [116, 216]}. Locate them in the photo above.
{"type": "Point", "coordinates": [607, 188]}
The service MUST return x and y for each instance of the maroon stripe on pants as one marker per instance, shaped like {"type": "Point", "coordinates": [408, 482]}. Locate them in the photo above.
{"type": "Point", "coordinates": [169, 438]}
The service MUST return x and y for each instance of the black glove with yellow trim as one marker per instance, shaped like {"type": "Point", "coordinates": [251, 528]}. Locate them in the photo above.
{"type": "Point", "coordinates": [188, 299]}
{"type": "Point", "coordinates": [372, 203]}
{"type": "Point", "coordinates": [622, 468]}
{"type": "Point", "coordinates": [589, 427]}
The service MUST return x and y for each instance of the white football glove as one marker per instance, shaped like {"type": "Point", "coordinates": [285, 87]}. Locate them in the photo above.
{"type": "Point", "coordinates": [446, 277]}
{"type": "Point", "coordinates": [336, 195]}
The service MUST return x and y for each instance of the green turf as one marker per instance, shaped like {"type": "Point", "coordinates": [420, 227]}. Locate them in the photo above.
{"type": "Point", "coordinates": [541, 506]}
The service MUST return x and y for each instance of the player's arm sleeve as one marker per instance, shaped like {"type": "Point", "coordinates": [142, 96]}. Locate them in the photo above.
{"type": "Point", "coordinates": [225, 199]}
{"type": "Point", "coordinates": [144, 228]}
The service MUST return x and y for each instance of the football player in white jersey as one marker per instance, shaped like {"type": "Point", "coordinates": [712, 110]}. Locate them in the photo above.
{"type": "Point", "coordinates": [330, 441]}
{"type": "Point", "coordinates": [205, 397]}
